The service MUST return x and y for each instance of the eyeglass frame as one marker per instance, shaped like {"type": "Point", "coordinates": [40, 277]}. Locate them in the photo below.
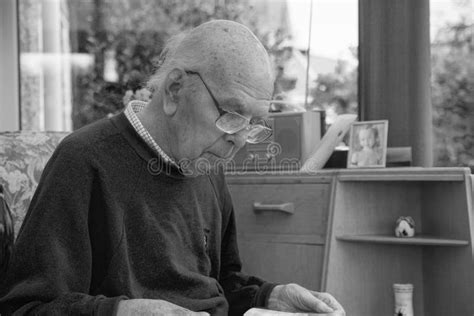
{"type": "Point", "coordinates": [222, 112]}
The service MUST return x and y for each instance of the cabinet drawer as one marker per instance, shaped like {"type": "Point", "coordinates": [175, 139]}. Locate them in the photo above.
{"type": "Point", "coordinates": [283, 263]}
{"type": "Point", "coordinates": [309, 202]}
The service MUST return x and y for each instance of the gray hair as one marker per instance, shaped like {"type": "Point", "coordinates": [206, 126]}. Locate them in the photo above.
{"type": "Point", "coordinates": [164, 63]}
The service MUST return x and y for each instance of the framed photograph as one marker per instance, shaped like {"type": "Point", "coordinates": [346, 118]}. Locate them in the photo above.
{"type": "Point", "coordinates": [368, 144]}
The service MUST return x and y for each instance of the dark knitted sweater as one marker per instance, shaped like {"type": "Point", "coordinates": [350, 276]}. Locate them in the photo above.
{"type": "Point", "coordinates": [104, 226]}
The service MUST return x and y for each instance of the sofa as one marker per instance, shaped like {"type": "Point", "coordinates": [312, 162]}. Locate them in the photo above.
{"type": "Point", "coordinates": [23, 155]}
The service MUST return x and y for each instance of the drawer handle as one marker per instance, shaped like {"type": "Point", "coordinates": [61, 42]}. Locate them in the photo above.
{"type": "Point", "coordinates": [287, 208]}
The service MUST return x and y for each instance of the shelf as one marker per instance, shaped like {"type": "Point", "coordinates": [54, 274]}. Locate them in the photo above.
{"type": "Point", "coordinates": [404, 174]}
{"type": "Point", "coordinates": [417, 241]}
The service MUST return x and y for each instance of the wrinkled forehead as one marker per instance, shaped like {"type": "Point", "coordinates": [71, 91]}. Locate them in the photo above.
{"type": "Point", "coordinates": [249, 99]}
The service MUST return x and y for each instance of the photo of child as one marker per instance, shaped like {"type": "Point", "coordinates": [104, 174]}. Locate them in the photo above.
{"type": "Point", "coordinates": [368, 144]}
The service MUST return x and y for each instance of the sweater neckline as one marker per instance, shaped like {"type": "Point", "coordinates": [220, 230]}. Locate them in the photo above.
{"type": "Point", "coordinates": [155, 163]}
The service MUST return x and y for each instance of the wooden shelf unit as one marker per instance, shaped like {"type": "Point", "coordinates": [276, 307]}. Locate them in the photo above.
{"type": "Point", "coordinates": [364, 258]}
{"type": "Point", "coordinates": [340, 237]}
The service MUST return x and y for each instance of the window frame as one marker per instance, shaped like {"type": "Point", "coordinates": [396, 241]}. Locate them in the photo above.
{"type": "Point", "coordinates": [10, 119]}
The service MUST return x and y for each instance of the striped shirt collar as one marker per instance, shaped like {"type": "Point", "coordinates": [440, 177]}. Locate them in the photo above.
{"type": "Point", "coordinates": [131, 111]}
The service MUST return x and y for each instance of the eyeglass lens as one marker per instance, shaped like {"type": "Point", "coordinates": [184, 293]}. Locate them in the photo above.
{"type": "Point", "coordinates": [231, 123]}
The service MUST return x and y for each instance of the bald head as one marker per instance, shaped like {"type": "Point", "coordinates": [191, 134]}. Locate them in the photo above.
{"type": "Point", "coordinates": [227, 55]}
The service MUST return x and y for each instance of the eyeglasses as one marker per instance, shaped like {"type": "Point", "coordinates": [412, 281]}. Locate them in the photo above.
{"type": "Point", "coordinates": [231, 122]}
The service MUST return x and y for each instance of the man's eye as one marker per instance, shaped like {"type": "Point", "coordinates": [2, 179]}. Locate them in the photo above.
{"type": "Point", "coordinates": [257, 120]}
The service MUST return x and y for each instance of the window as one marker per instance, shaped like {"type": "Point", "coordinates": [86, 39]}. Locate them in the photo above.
{"type": "Point", "coordinates": [452, 73]}
{"type": "Point", "coordinates": [334, 60]}
{"type": "Point", "coordinates": [78, 58]}
{"type": "Point", "coordinates": [81, 60]}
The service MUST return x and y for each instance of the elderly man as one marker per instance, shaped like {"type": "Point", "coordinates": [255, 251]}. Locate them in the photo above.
{"type": "Point", "coordinates": [132, 214]}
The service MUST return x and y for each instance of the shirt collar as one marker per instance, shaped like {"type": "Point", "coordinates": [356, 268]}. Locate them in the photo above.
{"type": "Point", "coordinates": [131, 111]}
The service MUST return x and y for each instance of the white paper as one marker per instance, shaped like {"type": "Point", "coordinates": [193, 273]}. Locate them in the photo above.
{"type": "Point", "coordinates": [330, 140]}
{"type": "Point", "coordinates": [267, 312]}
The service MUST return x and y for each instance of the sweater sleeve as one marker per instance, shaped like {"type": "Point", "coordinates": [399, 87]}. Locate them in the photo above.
{"type": "Point", "coordinates": [242, 291]}
{"type": "Point", "coordinates": [50, 271]}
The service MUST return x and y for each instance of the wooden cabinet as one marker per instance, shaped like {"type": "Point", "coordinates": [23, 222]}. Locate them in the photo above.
{"type": "Point", "coordinates": [282, 222]}
{"type": "Point", "coordinates": [365, 258]}
{"type": "Point", "coordinates": [340, 236]}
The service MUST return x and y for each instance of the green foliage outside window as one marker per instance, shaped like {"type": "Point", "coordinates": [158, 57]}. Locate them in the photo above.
{"type": "Point", "coordinates": [453, 92]}
{"type": "Point", "coordinates": [337, 91]}
{"type": "Point", "coordinates": [135, 39]}
{"type": "Point", "coordinates": [135, 31]}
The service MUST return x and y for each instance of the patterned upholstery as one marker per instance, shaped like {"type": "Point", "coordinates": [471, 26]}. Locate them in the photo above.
{"type": "Point", "coordinates": [23, 156]}
{"type": "Point", "coordinates": [6, 233]}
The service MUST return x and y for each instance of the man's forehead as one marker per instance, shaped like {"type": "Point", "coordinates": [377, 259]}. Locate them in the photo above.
{"type": "Point", "coordinates": [243, 103]}
{"type": "Point", "coordinates": [256, 108]}
{"type": "Point", "coordinates": [243, 80]}
{"type": "Point", "coordinates": [249, 96]}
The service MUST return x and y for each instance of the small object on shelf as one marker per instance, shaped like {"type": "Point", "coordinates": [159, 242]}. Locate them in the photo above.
{"type": "Point", "coordinates": [399, 156]}
{"type": "Point", "coordinates": [338, 158]}
{"type": "Point", "coordinates": [403, 294]}
{"type": "Point", "coordinates": [368, 144]}
{"type": "Point", "coordinates": [325, 147]}
{"type": "Point", "coordinates": [405, 227]}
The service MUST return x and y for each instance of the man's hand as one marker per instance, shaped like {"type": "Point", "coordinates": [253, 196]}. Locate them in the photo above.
{"type": "Point", "coordinates": [147, 307]}
{"type": "Point", "coordinates": [295, 298]}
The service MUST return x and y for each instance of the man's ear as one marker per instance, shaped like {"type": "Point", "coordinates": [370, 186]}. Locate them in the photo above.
{"type": "Point", "coordinates": [174, 82]}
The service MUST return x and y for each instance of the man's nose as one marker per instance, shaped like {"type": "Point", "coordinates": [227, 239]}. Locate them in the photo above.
{"type": "Point", "coordinates": [238, 139]}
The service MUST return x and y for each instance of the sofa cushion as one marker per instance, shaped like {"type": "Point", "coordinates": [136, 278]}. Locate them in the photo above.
{"type": "Point", "coordinates": [23, 155]}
